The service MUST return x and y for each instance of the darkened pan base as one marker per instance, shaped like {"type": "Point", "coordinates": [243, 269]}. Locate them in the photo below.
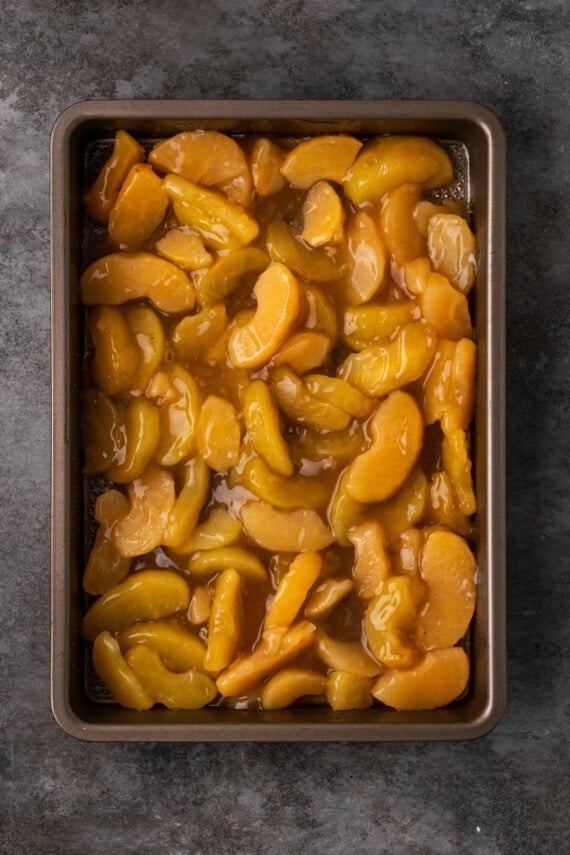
{"type": "Point", "coordinates": [480, 135]}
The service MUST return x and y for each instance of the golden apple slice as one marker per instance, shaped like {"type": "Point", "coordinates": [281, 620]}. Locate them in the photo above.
{"type": "Point", "coordinates": [178, 647]}
{"type": "Point", "coordinates": [105, 567]}
{"type": "Point", "coordinates": [347, 656]}
{"type": "Point", "coordinates": [206, 564]}
{"type": "Point", "coordinates": [452, 249]}
{"type": "Point", "coordinates": [278, 305]}
{"type": "Point", "coordinates": [346, 691]}
{"type": "Point", "coordinates": [327, 157]}
{"type": "Point", "coordinates": [382, 367]}
{"type": "Point", "coordinates": [264, 427]}
{"type": "Point", "coordinates": [292, 592]}
{"type": "Point", "coordinates": [266, 161]}
{"type": "Point", "coordinates": [151, 499]}
{"type": "Point", "coordinates": [278, 647]}
{"type": "Point", "coordinates": [366, 256]}
{"type": "Point", "coordinates": [125, 686]}
{"type": "Point", "coordinates": [221, 223]}
{"type": "Point", "coordinates": [146, 595]}
{"type": "Point", "coordinates": [100, 197]}
{"type": "Point", "coordinates": [122, 276]}
{"type": "Point", "coordinates": [225, 622]}
{"type": "Point", "coordinates": [206, 157]}
{"type": "Point", "coordinates": [397, 435]}
{"type": "Point", "coordinates": [300, 530]}
{"type": "Point", "coordinates": [290, 684]}
{"type": "Point", "coordinates": [189, 690]}
{"type": "Point", "coordinates": [323, 216]}
{"type": "Point", "coordinates": [140, 429]}
{"type": "Point", "coordinates": [139, 208]}
{"type": "Point", "coordinates": [447, 567]}
{"type": "Point", "coordinates": [435, 682]}
{"type": "Point", "coordinates": [389, 161]}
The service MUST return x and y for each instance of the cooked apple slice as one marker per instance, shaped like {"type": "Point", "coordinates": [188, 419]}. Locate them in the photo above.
{"type": "Point", "coordinates": [438, 679]}
{"type": "Point", "coordinates": [447, 567]}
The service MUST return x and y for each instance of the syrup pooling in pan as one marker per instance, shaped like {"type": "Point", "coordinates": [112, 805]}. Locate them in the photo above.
{"type": "Point", "coordinates": [278, 399]}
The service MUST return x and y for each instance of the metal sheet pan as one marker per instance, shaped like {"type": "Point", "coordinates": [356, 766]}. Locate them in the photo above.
{"type": "Point", "coordinates": [479, 135]}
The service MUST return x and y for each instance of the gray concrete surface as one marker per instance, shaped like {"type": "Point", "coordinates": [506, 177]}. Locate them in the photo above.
{"type": "Point", "coordinates": [505, 793]}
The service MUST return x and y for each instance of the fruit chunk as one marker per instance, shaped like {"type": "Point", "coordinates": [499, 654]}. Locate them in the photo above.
{"type": "Point", "coordinates": [344, 512]}
{"type": "Point", "coordinates": [221, 223]}
{"type": "Point", "coordinates": [319, 311]}
{"type": "Point", "coordinates": [105, 567]}
{"type": "Point", "coordinates": [277, 648]}
{"type": "Point", "coordinates": [397, 434]}
{"type": "Point", "coordinates": [303, 572]}
{"type": "Point", "coordinates": [296, 491]}
{"type": "Point", "coordinates": [303, 351]}
{"type": "Point", "coordinates": [100, 197]}
{"type": "Point", "coordinates": [449, 385]}
{"type": "Point", "coordinates": [266, 161]}
{"type": "Point", "coordinates": [125, 686]}
{"type": "Point", "coordinates": [189, 690]}
{"type": "Point", "coordinates": [389, 161]}
{"type": "Point", "coordinates": [436, 681]}
{"type": "Point", "coordinates": [371, 565]}
{"type": "Point", "coordinates": [346, 691]}
{"type": "Point", "coordinates": [140, 429]}
{"type": "Point", "coordinates": [229, 272]}
{"type": "Point", "coordinates": [218, 433]}
{"type": "Point", "coordinates": [147, 333]}
{"type": "Point", "coordinates": [290, 684]}
{"type": "Point", "coordinates": [206, 157]}
{"type": "Point", "coordinates": [278, 305]}
{"type": "Point", "coordinates": [405, 508]}
{"type": "Point", "coordinates": [364, 325]}
{"type": "Point", "coordinates": [380, 368]}
{"type": "Point", "coordinates": [139, 208]}
{"type": "Point", "coordinates": [366, 256]}
{"type": "Point", "coordinates": [326, 596]}
{"type": "Point", "coordinates": [184, 248]}
{"type": "Point", "coordinates": [425, 210]}
{"type": "Point", "coordinates": [316, 265]}
{"type": "Point", "coordinates": [340, 394]}
{"type": "Point", "coordinates": [402, 236]}
{"type": "Point", "coordinates": [347, 656]}
{"type": "Point", "coordinates": [457, 464]}
{"type": "Point", "coordinates": [194, 334]}
{"type": "Point", "coordinates": [151, 500]}
{"type": "Point", "coordinates": [389, 620]}
{"type": "Point", "coordinates": [323, 216]}
{"type": "Point", "coordinates": [442, 505]}
{"type": "Point", "coordinates": [225, 623]}
{"type": "Point", "coordinates": [146, 595]}
{"type": "Point", "coordinates": [205, 564]}
{"type": "Point", "coordinates": [447, 567]}
{"type": "Point", "coordinates": [320, 158]}
{"type": "Point", "coordinates": [445, 309]}
{"type": "Point", "coordinates": [264, 428]}
{"type": "Point", "coordinates": [300, 405]}
{"type": "Point", "coordinates": [116, 355]}
{"type": "Point", "coordinates": [451, 248]}
{"type": "Point", "coordinates": [178, 648]}
{"type": "Point", "coordinates": [122, 276]}
{"type": "Point", "coordinates": [178, 396]}
{"type": "Point", "coordinates": [186, 510]}
{"type": "Point", "coordinates": [219, 529]}
{"type": "Point", "coordinates": [284, 531]}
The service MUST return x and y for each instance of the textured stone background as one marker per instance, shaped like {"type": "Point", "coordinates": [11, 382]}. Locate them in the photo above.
{"type": "Point", "coordinates": [506, 793]}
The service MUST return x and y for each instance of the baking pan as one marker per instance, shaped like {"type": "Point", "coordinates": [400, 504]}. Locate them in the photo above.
{"type": "Point", "coordinates": [477, 136]}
